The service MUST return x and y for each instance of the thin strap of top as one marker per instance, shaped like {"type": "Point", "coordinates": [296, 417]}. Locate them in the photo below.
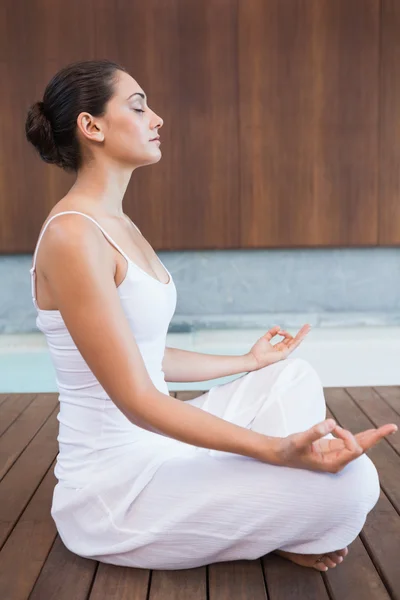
{"type": "Point", "coordinates": [67, 212]}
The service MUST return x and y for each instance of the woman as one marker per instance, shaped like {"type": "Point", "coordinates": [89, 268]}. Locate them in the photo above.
{"type": "Point", "coordinates": [146, 480]}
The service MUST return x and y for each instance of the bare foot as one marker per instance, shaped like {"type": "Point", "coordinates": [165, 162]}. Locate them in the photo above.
{"type": "Point", "coordinates": [328, 560]}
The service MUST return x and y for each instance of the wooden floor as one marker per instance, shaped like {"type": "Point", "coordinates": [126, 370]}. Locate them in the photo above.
{"type": "Point", "coordinates": [34, 563]}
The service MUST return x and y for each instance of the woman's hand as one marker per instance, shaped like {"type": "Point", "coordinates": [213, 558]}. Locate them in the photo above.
{"type": "Point", "coordinates": [309, 450]}
{"type": "Point", "coordinates": [264, 353]}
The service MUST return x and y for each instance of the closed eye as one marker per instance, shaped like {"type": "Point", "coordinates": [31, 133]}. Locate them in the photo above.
{"type": "Point", "coordinates": [139, 110]}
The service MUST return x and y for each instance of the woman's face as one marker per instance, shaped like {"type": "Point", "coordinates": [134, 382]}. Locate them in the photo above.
{"type": "Point", "coordinates": [129, 126]}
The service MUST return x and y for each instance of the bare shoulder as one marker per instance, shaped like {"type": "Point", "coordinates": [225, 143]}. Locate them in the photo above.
{"type": "Point", "coordinates": [70, 238]}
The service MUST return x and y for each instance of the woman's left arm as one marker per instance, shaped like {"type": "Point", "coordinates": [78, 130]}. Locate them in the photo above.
{"type": "Point", "coordinates": [184, 365]}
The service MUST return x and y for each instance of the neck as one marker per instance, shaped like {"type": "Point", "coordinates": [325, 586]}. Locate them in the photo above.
{"type": "Point", "coordinates": [104, 185]}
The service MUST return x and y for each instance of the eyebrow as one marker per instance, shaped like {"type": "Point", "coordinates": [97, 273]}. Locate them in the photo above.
{"type": "Point", "coordinates": [138, 94]}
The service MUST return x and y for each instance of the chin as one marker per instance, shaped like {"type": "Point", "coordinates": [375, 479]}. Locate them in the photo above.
{"type": "Point", "coordinates": [152, 159]}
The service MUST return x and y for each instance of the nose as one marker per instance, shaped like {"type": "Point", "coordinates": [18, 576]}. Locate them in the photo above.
{"type": "Point", "coordinates": [157, 121]}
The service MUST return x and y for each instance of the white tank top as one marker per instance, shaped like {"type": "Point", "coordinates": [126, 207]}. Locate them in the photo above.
{"type": "Point", "coordinates": [89, 421]}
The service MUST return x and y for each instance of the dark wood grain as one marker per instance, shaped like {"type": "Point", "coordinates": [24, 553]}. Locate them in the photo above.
{"type": "Point", "coordinates": [356, 577]}
{"type": "Point", "coordinates": [19, 434]}
{"type": "Point", "coordinates": [389, 91]}
{"type": "Point", "coordinates": [238, 580]}
{"type": "Point", "coordinates": [381, 536]}
{"type": "Point", "coordinates": [381, 532]}
{"type": "Point", "coordinates": [272, 135]}
{"type": "Point", "coordinates": [29, 561]}
{"type": "Point", "coordinates": [308, 74]}
{"type": "Point", "coordinates": [26, 550]}
{"type": "Point", "coordinates": [391, 395]}
{"type": "Point", "coordinates": [378, 412]}
{"type": "Point", "coordinates": [179, 585]}
{"type": "Point", "coordinates": [3, 398]}
{"type": "Point", "coordinates": [64, 576]}
{"type": "Point", "coordinates": [287, 581]}
{"type": "Point", "coordinates": [21, 481]}
{"type": "Point", "coordinates": [120, 583]}
{"type": "Point", "coordinates": [386, 460]}
{"type": "Point", "coordinates": [12, 408]}
{"type": "Point", "coordinates": [188, 69]}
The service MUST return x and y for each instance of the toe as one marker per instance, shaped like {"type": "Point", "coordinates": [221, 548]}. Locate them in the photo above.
{"type": "Point", "coordinates": [335, 557]}
{"type": "Point", "coordinates": [320, 566]}
{"type": "Point", "coordinates": [329, 562]}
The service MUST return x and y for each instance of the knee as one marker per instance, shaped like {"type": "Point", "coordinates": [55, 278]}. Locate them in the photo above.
{"type": "Point", "coordinates": [360, 491]}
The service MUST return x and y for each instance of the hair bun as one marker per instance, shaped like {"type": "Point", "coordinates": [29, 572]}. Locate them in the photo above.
{"type": "Point", "coordinates": [39, 132]}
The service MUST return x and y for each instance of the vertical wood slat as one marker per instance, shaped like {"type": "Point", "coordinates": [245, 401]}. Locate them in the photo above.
{"type": "Point", "coordinates": [188, 69]}
{"type": "Point", "coordinates": [307, 152]}
{"type": "Point", "coordinates": [389, 130]}
{"type": "Point", "coordinates": [309, 122]}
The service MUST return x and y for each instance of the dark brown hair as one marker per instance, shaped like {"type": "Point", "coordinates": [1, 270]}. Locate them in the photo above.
{"type": "Point", "coordinates": [50, 126]}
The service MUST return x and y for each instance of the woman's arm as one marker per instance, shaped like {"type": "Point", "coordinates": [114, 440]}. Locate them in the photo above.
{"type": "Point", "coordinates": [185, 365]}
{"type": "Point", "coordinates": [79, 267]}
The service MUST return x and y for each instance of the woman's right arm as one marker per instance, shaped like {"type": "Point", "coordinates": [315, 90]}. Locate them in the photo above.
{"type": "Point", "coordinates": [79, 269]}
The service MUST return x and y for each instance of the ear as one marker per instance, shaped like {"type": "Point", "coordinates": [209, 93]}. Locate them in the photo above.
{"type": "Point", "coordinates": [90, 127]}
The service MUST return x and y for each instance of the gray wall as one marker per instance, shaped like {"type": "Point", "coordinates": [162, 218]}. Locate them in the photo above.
{"type": "Point", "coordinates": [244, 288]}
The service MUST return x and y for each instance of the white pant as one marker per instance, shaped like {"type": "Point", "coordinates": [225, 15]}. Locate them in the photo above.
{"type": "Point", "coordinates": [208, 506]}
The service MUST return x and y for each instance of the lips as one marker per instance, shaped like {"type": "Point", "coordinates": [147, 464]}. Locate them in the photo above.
{"type": "Point", "coordinates": [155, 139]}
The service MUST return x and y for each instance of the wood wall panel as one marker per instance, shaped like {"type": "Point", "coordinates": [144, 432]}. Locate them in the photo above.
{"type": "Point", "coordinates": [389, 204]}
{"type": "Point", "coordinates": [183, 53]}
{"type": "Point", "coordinates": [272, 134]}
{"type": "Point", "coordinates": [308, 73]}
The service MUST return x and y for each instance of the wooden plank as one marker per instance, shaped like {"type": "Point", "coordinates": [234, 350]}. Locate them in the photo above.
{"type": "Point", "coordinates": [120, 583]}
{"type": "Point", "coordinates": [356, 577]}
{"type": "Point", "coordinates": [312, 67]}
{"type": "Point", "coordinates": [22, 480]}
{"type": "Point", "coordinates": [378, 412]}
{"type": "Point", "coordinates": [20, 433]}
{"type": "Point", "coordinates": [232, 580]}
{"type": "Point", "coordinates": [27, 548]}
{"type": "Point", "coordinates": [389, 109]}
{"type": "Point", "coordinates": [12, 407]}
{"type": "Point", "coordinates": [287, 581]}
{"type": "Point", "coordinates": [3, 398]}
{"type": "Point", "coordinates": [65, 576]}
{"type": "Point", "coordinates": [179, 584]}
{"type": "Point", "coordinates": [386, 460]}
{"type": "Point", "coordinates": [381, 536]}
{"type": "Point", "coordinates": [391, 395]}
